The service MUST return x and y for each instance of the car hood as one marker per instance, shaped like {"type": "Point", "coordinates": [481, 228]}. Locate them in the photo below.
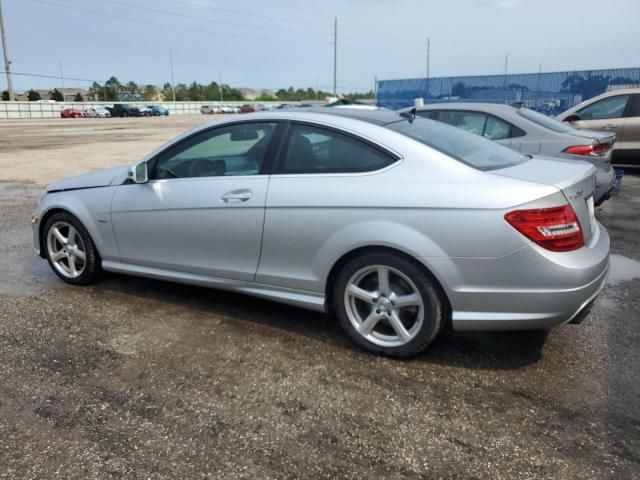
{"type": "Point", "coordinates": [99, 178]}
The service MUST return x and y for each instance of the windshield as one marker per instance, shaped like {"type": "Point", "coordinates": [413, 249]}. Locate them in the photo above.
{"type": "Point", "coordinates": [544, 121]}
{"type": "Point", "coordinates": [470, 149]}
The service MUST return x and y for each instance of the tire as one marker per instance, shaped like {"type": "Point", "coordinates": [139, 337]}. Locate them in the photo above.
{"type": "Point", "coordinates": [70, 247]}
{"type": "Point", "coordinates": [374, 310]}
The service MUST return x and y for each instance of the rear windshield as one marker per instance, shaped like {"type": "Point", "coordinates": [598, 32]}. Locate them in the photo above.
{"type": "Point", "coordinates": [468, 148]}
{"type": "Point", "coordinates": [544, 121]}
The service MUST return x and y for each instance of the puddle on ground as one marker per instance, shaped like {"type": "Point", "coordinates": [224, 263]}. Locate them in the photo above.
{"type": "Point", "coordinates": [623, 269]}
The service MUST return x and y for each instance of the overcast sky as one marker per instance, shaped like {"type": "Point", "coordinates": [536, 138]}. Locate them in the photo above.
{"type": "Point", "coordinates": [281, 43]}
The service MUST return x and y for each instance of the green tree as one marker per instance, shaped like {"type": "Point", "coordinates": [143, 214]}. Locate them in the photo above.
{"type": "Point", "coordinates": [112, 88]}
{"type": "Point", "coordinates": [96, 91]}
{"type": "Point", "coordinates": [33, 95]}
{"type": "Point", "coordinates": [56, 95]}
{"type": "Point", "coordinates": [5, 96]}
{"type": "Point", "coordinates": [167, 92]}
{"type": "Point", "coordinates": [196, 92]}
{"type": "Point", "coordinates": [150, 93]}
{"type": "Point", "coordinates": [78, 97]}
{"type": "Point", "coordinates": [131, 87]}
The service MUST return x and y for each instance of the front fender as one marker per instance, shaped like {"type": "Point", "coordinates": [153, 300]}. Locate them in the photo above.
{"type": "Point", "coordinates": [91, 207]}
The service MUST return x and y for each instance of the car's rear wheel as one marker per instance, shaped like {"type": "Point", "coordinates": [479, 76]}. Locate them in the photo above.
{"type": "Point", "coordinates": [70, 250]}
{"type": "Point", "coordinates": [388, 305]}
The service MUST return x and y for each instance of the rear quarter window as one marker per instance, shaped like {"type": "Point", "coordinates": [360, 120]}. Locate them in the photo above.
{"type": "Point", "coordinates": [472, 150]}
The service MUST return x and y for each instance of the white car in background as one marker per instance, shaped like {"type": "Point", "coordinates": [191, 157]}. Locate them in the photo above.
{"type": "Point", "coordinates": [226, 109]}
{"type": "Point", "coordinates": [210, 109]}
{"type": "Point", "coordinates": [97, 112]}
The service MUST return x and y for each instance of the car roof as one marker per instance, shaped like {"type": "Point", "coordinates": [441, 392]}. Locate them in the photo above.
{"type": "Point", "coordinates": [486, 107]}
{"type": "Point", "coordinates": [377, 117]}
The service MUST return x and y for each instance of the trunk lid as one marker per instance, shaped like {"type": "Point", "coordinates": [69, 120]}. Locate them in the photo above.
{"type": "Point", "coordinates": [576, 180]}
{"type": "Point", "coordinates": [598, 137]}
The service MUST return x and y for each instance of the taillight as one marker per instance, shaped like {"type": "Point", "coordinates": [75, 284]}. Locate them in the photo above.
{"type": "Point", "coordinates": [598, 150]}
{"type": "Point", "coordinates": [557, 228]}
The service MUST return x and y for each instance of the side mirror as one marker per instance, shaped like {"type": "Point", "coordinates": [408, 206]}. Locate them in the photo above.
{"type": "Point", "coordinates": [572, 118]}
{"type": "Point", "coordinates": [138, 173]}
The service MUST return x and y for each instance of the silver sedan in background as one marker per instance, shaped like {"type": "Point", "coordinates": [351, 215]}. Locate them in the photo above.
{"type": "Point", "coordinates": [398, 226]}
{"type": "Point", "coordinates": [532, 133]}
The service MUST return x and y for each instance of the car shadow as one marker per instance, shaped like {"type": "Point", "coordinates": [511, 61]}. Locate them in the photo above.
{"type": "Point", "coordinates": [473, 350]}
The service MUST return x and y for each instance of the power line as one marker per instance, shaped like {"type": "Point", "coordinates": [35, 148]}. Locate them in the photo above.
{"type": "Point", "coordinates": [157, 24]}
{"type": "Point", "coordinates": [247, 14]}
{"type": "Point", "coordinates": [57, 77]}
{"type": "Point", "coordinates": [237, 25]}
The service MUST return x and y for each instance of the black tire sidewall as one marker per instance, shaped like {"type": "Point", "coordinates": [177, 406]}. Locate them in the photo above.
{"type": "Point", "coordinates": [433, 304]}
{"type": "Point", "coordinates": [92, 260]}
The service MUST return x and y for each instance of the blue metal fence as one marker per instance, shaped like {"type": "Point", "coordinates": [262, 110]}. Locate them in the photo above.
{"type": "Point", "coordinates": [550, 93]}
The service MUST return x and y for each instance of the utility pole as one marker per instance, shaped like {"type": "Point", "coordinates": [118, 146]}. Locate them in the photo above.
{"type": "Point", "coordinates": [428, 61]}
{"type": "Point", "coordinates": [538, 89]}
{"type": "Point", "coordinates": [428, 54]}
{"type": "Point", "coordinates": [7, 63]}
{"type": "Point", "coordinates": [506, 67]}
{"type": "Point", "coordinates": [375, 89]}
{"type": "Point", "coordinates": [61, 75]}
{"type": "Point", "coordinates": [220, 86]}
{"type": "Point", "coordinates": [173, 90]}
{"type": "Point", "coordinates": [335, 56]}
{"type": "Point", "coordinates": [317, 93]}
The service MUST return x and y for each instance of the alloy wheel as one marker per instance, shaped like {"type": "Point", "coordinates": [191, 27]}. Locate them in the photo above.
{"type": "Point", "coordinates": [384, 305]}
{"type": "Point", "coordinates": [66, 249]}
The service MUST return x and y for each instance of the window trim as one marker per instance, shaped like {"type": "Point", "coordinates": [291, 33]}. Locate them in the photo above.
{"type": "Point", "coordinates": [624, 112]}
{"type": "Point", "coordinates": [512, 128]}
{"type": "Point", "coordinates": [284, 145]}
{"type": "Point", "coordinates": [265, 168]}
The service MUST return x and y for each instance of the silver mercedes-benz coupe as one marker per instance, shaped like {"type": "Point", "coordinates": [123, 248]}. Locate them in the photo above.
{"type": "Point", "coordinates": [399, 226]}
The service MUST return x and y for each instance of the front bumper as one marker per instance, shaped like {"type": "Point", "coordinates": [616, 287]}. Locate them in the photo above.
{"type": "Point", "coordinates": [530, 288]}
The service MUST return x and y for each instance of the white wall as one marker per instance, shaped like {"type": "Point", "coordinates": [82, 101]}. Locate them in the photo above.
{"type": "Point", "coordinates": [49, 110]}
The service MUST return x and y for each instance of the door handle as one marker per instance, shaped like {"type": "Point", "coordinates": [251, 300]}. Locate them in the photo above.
{"type": "Point", "coordinates": [610, 126]}
{"type": "Point", "coordinates": [237, 196]}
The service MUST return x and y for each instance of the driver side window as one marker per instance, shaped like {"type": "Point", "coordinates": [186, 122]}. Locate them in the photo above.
{"type": "Point", "coordinates": [611, 107]}
{"type": "Point", "coordinates": [232, 150]}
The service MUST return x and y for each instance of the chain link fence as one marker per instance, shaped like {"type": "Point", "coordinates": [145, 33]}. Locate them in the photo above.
{"type": "Point", "coordinates": [550, 93]}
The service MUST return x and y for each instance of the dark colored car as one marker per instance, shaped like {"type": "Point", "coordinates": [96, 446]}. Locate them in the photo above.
{"type": "Point", "coordinates": [158, 110]}
{"type": "Point", "coordinates": [124, 110]}
{"type": "Point", "coordinates": [72, 113]}
{"type": "Point", "coordinates": [247, 109]}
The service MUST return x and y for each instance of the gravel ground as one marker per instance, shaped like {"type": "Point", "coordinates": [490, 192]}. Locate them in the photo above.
{"type": "Point", "coordinates": [134, 378]}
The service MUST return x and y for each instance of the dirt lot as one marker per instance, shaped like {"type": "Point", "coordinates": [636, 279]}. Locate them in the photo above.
{"type": "Point", "coordinates": [133, 378]}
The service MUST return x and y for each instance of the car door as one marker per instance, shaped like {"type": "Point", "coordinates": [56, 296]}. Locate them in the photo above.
{"type": "Point", "coordinates": [628, 146]}
{"type": "Point", "coordinates": [604, 115]}
{"type": "Point", "coordinates": [202, 210]}
{"type": "Point", "coordinates": [321, 180]}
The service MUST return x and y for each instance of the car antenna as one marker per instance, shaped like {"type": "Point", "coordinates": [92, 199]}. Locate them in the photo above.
{"type": "Point", "coordinates": [410, 115]}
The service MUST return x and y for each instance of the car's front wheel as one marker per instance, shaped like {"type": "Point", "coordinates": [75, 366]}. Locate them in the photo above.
{"type": "Point", "coordinates": [388, 305]}
{"type": "Point", "coordinates": [70, 250]}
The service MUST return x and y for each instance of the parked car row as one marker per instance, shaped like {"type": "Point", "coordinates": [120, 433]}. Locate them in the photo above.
{"type": "Point", "coordinates": [216, 108]}
{"type": "Point", "coordinates": [117, 110]}
{"type": "Point", "coordinates": [531, 133]}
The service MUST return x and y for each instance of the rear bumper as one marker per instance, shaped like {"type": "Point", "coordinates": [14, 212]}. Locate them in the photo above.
{"type": "Point", "coordinates": [530, 288]}
{"type": "Point", "coordinates": [605, 183]}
